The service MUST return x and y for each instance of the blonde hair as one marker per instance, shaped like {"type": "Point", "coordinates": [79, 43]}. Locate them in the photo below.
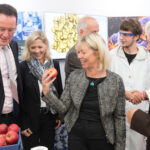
{"type": "Point", "coordinates": [97, 44]}
{"type": "Point", "coordinates": [36, 35]}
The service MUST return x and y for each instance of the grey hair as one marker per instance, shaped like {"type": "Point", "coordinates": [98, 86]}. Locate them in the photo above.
{"type": "Point", "coordinates": [83, 23]}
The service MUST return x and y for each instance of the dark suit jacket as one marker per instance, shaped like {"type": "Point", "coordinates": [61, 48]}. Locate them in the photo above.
{"type": "Point", "coordinates": [31, 96]}
{"type": "Point", "coordinates": [16, 109]}
{"type": "Point", "coordinates": [72, 62]}
{"type": "Point", "coordinates": [141, 123]}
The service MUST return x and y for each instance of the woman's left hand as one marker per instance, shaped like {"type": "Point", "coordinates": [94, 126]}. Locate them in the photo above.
{"type": "Point", "coordinates": [47, 80]}
{"type": "Point", "coordinates": [58, 124]}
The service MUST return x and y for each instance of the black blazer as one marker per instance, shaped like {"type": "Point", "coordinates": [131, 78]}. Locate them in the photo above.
{"type": "Point", "coordinates": [31, 96]}
{"type": "Point", "coordinates": [16, 108]}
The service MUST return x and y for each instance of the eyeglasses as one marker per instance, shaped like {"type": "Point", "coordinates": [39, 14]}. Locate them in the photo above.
{"type": "Point", "coordinates": [10, 30]}
{"type": "Point", "coordinates": [127, 34]}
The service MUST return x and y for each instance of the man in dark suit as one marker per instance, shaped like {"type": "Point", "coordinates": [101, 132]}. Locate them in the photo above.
{"type": "Point", "coordinates": [10, 82]}
{"type": "Point", "coordinates": [85, 25]}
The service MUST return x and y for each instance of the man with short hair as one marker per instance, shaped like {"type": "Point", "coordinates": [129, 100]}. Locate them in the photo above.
{"type": "Point", "coordinates": [132, 63]}
{"type": "Point", "coordinates": [10, 82]}
{"type": "Point", "coordinates": [85, 25]}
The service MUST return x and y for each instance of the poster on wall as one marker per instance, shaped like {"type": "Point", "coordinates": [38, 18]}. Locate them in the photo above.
{"type": "Point", "coordinates": [61, 31]}
{"type": "Point", "coordinates": [113, 30]}
{"type": "Point", "coordinates": [27, 23]}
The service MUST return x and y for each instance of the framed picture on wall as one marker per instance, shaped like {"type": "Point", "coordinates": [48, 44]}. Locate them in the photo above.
{"type": "Point", "coordinates": [61, 31]}
{"type": "Point", "coordinates": [27, 23]}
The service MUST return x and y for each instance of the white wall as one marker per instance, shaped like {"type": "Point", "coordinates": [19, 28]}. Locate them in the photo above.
{"type": "Point", "coordinates": [92, 7]}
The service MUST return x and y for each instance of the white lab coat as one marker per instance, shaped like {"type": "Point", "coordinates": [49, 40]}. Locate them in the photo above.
{"type": "Point", "coordinates": [136, 76]}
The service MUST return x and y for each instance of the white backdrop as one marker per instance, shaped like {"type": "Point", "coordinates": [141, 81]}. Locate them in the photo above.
{"type": "Point", "coordinates": [92, 7]}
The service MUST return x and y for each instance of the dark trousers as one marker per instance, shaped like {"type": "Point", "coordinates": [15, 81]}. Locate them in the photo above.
{"type": "Point", "coordinates": [88, 144]}
{"type": "Point", "coordinates": [7, 118]}
{"type": "Point", "coordinates": [44, 135]}
{"type": "Point", "coordinates": [83, 136]}
{"type": "Point", "coordinates": [148, 144]}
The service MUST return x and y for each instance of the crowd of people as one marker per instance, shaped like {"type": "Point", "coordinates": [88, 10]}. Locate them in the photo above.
{"type": "Point", "coordinates": [102, 88]}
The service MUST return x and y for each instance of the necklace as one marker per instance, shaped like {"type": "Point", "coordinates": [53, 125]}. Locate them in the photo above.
{"type": "Point", "coordinates": [93, 83]}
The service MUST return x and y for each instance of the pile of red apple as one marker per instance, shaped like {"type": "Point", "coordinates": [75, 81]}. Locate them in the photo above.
{"type": "Point", "coordinates": [8, 134]}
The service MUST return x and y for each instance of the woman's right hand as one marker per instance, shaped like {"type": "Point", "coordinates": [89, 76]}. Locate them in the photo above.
{"type": "Point", "coordinates": [26, 132]}
{"type": "Point", "coordinates": [47, 80]}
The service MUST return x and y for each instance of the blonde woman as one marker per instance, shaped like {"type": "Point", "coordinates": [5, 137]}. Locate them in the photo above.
{"type": "Point", "coordinates": [38, 119]}
{"type": "Point", "coordinates": [93, 101]}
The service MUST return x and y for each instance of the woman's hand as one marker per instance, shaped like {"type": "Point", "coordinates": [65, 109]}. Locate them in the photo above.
{"type": "Point", "coordinates": [47, 80]}
{"type": "Point", "coordinates": [58, 124]}
{"type": "Point", "coordinates": [26, 132]}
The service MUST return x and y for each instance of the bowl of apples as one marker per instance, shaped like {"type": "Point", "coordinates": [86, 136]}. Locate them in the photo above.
{"type": "Point", "coordinates": [10, 137]}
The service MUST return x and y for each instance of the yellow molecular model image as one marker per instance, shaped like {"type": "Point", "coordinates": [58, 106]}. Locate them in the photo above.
{"type": "Point", "coordinates": [65, 32]}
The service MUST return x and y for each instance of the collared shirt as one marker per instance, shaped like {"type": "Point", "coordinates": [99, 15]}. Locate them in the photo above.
{"type": "Point", "coordinates": [43, 104]}
{"type": "Point", "coordinates": [8, 102]}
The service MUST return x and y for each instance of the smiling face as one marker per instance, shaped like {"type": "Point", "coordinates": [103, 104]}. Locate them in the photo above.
{"type": "Point", "coordinates": [87, 56]}
{"type": "Point", "coordinates": [7, 28]}
{"type": "Point", "coordinates": [38, 50]}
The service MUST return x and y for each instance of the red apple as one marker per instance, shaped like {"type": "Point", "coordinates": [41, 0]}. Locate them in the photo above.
{"type": "Point", "coordinates": [53, 72]}
{"type": "Point", "coordinates": [11, 137]}
{"type": "Point", "coordinates": [13, 127]}
{"type": "Point", "coordinates": [3, 135]}
{"type": "Point", "coordinates": [2, 141]}
{"type": "Point", "coordinates": [3, 128]}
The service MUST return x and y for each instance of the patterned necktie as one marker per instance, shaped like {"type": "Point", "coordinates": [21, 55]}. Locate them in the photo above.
{"type": "Point", "coordinates": [11, 76]}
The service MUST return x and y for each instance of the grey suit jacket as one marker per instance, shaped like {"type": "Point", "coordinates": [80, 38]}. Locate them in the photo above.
{"type": "Point", "coordinates": [111, 96]}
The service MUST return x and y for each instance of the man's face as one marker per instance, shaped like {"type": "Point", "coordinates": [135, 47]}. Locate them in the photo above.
{"type": "Point", "coordinates": [127, 39]}
{"type": "Point", "coordinates": [7, 29]}
{"type": "Point", "coordinates": [92, 26]}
